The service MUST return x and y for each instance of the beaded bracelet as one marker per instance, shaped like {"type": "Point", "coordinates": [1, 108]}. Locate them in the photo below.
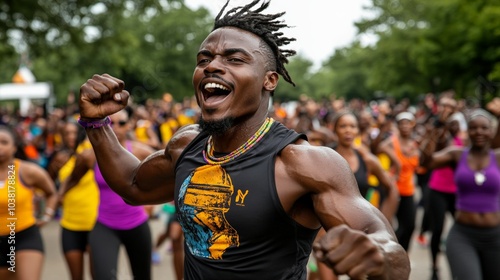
{"type": "Point", "coordinates": [94, 124]}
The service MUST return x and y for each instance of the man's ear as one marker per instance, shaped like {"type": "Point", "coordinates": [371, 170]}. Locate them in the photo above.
{"type": "Point", "coordinates": [271, 81]}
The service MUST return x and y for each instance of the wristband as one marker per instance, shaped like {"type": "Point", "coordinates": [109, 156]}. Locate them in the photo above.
{"type": "Point", "coordinates": [46, 218]}
{"type": "Point", "coordinates": [94, 124]}
{"type": "Point", "coordinates": [49, 211]}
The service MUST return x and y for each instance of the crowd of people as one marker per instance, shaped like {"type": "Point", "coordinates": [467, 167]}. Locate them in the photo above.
{"type": "Point", "coordinates": [352, 128]}
{"type": "Point", "coordinates": [259, 187]}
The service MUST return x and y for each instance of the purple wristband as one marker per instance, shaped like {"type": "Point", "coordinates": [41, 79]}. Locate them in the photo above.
{"type": "Point", "coordinates": [94, 124]}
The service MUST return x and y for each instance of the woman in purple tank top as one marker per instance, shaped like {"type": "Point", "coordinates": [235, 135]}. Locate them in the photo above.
{"type": "Point", "coordinates": [117, 222]}
{"type": "Point", "coordinates": [473, 244]}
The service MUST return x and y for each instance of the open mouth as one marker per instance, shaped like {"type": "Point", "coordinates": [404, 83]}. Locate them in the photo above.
{"type": "Point", "coordinates": [215, 91]}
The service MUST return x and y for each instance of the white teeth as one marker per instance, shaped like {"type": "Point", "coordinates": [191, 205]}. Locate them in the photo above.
{"type": "Point", "coordinates": [214, 85]}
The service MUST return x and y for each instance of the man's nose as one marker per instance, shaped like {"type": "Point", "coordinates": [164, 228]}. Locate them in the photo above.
{"type": "Point", "coordinates": [216, 65]}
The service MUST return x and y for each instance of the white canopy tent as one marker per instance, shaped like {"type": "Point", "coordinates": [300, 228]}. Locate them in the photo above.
{"type": "Point", "coordinates": [25, 93]}
{"type": "Point", "coordinates": [25, 89]}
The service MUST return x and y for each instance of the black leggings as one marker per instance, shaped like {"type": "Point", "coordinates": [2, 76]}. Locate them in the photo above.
{"type": "Point", "coordinates": [439, 204]}
{"type": "Point", "coordinates": [406, 220]}
{"type": "Point", "coordinates": [104, 247]}
{"type": "Point", "coordinates": [473, 253]}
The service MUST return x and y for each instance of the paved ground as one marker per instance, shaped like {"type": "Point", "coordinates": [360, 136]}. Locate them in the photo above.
{"type": "Point", "coordinates": [55, 267]}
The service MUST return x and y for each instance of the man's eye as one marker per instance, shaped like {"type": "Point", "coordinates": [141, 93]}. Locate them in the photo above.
{"type": "Point", "coordinates": [204, 60]}
{"type": "Point", "coordinates": [234, 59]}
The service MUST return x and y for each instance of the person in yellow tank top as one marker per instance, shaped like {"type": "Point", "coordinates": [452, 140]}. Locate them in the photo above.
{"type": "Point", "coordinates": [167, 129]}
{"type": "Point", "coordinates": [79, 204]}
{"type": "Point", "coordinates": [21, 244]}
{"type": "Point", "coordinates": [144, 130]}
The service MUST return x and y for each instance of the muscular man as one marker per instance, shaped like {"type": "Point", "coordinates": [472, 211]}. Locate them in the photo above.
{"type": "Point", "coordinates": [250, 193]}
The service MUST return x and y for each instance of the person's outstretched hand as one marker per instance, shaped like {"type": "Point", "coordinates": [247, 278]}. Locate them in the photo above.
{"type": "Point", "coordinates": [101, 96]}
{"type": "Point", "coordinates": [351, 252]}
{"type": "Point", "coordinates": [494, 106]}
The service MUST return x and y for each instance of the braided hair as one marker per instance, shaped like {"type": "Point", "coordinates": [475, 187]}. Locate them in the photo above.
{"type": "Point", "coordinates": [266, 27]}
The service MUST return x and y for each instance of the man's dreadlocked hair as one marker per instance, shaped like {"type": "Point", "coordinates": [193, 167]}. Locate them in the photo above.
{"type": "Point", "coordinates": [264, 26]}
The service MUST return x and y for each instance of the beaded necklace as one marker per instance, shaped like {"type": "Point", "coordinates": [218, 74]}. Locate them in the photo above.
{"type": "Point", "coordinates": [208, 154]}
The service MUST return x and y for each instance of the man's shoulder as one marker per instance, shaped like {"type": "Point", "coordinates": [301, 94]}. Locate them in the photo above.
{"type": "Point", "coordinates": [305, 156]}
{"type": "Point", "coordinates": [316, 169]}
{"type": "Point", "coordinates": [185, 134]}
{"type": "Point", "coordinates": [181, 139]}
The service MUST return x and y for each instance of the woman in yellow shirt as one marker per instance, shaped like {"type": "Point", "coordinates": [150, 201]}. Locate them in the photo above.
{"type": "Point", "coordinates": [79, 204]}
{"type": "Point", "coordinates": [21, 245]}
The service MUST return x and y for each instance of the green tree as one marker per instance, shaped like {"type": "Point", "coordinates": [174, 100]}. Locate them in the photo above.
{"type": "Point", "coordinates": [349, 71]}
{"type": "Point", "coordinates": [422, 46]}
{"type": "Point", "coordinates": [434, 45]}
{"type": "Point", "coordinates": [150, 44]}
{"type": "Point", "coordinates": [299, 69]}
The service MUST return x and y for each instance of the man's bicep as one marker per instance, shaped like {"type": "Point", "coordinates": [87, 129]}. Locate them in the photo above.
{"type": "Point", "coordinates": [155, 178]}
{"type": "Point", "coordinates": [347, 206]}
{"type": "Point", "coordinates": [339, 200]}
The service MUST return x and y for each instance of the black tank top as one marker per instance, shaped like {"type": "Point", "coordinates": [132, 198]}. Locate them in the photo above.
{"type": "Point", "coordinates": [361, 175]}
{"type": "Point", "coordinates": [233, 221]}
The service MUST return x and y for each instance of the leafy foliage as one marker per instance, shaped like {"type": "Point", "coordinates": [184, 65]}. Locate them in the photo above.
{"type": "Point", "coordinates": [150, 44]}
{"type": "Point", "coordinates": [427, 45]}
{"type": "Point", "coordinates": [422, 46]}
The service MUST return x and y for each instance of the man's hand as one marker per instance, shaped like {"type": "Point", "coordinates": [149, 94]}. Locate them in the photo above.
{"type": "Point", "coordinates": [494, 106]}
{"type": "Point", "coordinates": [101, 96]}
{"type": "Point", "coordinates": [350, 252]}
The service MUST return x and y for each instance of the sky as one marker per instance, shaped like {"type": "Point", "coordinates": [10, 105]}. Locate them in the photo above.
{"type": "Point", "coordinates": [320, 26]}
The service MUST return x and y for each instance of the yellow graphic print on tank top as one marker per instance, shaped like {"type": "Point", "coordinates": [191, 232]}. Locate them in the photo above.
{"type": "Point", "coordinates": [204, 199]}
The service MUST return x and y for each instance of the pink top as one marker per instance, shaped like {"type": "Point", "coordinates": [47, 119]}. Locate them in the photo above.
{"type": "Point", "coordinates": [113, 211]}
{"type": "Point", "coordinates": [442, 179]}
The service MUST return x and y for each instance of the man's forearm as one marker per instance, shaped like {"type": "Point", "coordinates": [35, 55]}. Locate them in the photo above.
{"type": "Point", "coordinates": [116, 164]}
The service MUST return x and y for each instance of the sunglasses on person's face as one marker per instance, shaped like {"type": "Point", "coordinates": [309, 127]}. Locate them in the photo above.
{"type": "Point", "coordinates": [120, 123]}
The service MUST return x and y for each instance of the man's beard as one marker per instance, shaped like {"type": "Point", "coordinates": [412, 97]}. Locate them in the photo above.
{"type": "Point", "coordinates": [218, 127]}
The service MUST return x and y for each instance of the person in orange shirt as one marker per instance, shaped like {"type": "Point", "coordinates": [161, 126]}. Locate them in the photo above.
{"type": "Point", "coordinates": [405, 149]}
{"type": "Point", "coordinates": [21, 245]}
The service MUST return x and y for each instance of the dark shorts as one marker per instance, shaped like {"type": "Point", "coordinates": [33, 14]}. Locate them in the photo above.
{"type": "Point", "coordinates": [28, 239]}
{"type": "Point", "coordinates": [74, 240]}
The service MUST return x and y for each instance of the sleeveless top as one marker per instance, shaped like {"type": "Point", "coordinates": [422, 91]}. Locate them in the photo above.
{"type": "Point", "coordinates": [361, 175]}
{"type": "Point", "coordinates": [406, 184]}
{"type": "Point", "coordinates": [384, 160]}
{"type": "Point", "coordinates": [16, 203]}
{"type": "Point", "coordinates": [442, 179]}
{"type": "Point", "coordinates": [113, 211]}
{"type": "Point", "coordinates": [141, 130]}
{"type": "Point", "coordinates": [234, 224]}
{"type": "Point", "coordinates": [80, 202]}
{"type": "Point", "coordinates": [481, 194]}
